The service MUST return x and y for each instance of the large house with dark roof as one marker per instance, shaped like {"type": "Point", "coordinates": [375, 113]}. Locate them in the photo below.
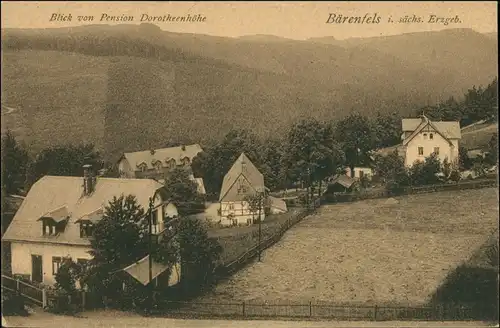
{"type": "Point", "coordinates": [422, 137]}
{"type": "Point", "coordinates": [156, 164]}
{"type": "Point", "coordinates": [57, 217]}
{"type": "Point", "coordinates": [241, 181]}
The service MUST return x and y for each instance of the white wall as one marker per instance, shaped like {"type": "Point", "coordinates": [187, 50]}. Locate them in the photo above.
{"type": "Point", "coordinates": [21, 257]}
{"type": "Point", "coordinates": [445, 150]}
{"type": "Point", "coordinates": [368, 172]}
{"type": "Point", "coordinates": [239, 210]}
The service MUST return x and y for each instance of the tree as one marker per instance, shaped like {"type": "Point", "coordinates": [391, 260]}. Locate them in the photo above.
{"type": "Point", "coordinates": [426, 172]}
{"type": "Point", "coordinates": [492, 157]}
{"type": "Point", "coordinates": [392, 170]}
{"type": "Point", "coordinates": [199, 256]}
{"type": "Point", "coordinates": [183, 192]}
{"type": "Point", "coordinates": [255, 203]}
{"type": "Point", "coordinates": [15, 160]}
{"type": "Point", "coordinates": [271, 168]}
{"type": "Point", "coordinates": [311, 153]}
{"type": "Point", "coordinates": [67, 275]}
{"type": "Point", "coordinates": [63, 160]}
{"type": "Point", "coordinates": [119, 239]}
{"type": "Point", "coordinates": [388, 130]}
{"type": "Point", "coordinates": [357, 137]}
{"type": "Point", "coordinates": [465, 163]}
{"type": "Point", "coordinates": [213, 164]}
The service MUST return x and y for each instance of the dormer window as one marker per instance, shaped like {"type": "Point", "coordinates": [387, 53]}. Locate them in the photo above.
{"type": "Point", "coordinates": [86, 229]}
{"type": "Point", "coordinates": [55, 221]}
{"type": "Point", "coordinates": [49, 228]}
{"type": "Point", "coordinates": [88, 221]}
{"type": "Point", "coordinates": [185, 161]}
{"type": "Point", "coordinates": [143, 167]}
{"type": "Point", "coordinates": [172, 164]}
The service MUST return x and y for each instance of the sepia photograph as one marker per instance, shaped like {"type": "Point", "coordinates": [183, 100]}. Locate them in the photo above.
{"type": "Point", "coordinates": [249, 164]}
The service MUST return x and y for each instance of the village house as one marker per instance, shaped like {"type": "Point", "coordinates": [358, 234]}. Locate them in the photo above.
{"type": "Point", "coordinates": [360, 172]}
{"type": "Point", "coordinates": [422, 137]}
{"type": "Point", "coordinates": [57, 217]}
{"type": "Point", "coordinates": [157, 163]}
{"type": "Point", "coordinates": [243, 180]}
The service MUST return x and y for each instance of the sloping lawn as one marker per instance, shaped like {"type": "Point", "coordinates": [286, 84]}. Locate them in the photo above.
{"type": "Point", "coordinates": [369, 252]}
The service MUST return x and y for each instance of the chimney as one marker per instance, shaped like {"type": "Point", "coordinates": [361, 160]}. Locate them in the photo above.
{"type": "Point", "coordinates": [88, 180]}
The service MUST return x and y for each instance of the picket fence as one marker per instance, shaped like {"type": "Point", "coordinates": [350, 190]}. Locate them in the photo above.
{"type": "Point", "coordinates": [322, 310]}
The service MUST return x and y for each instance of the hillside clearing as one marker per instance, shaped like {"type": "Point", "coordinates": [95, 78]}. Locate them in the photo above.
{"type": "Point", "coordinates": [370, 251]}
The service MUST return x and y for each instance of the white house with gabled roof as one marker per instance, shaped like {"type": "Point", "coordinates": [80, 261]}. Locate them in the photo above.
{"type": "Point", "coordinates": [422, 137]}
{"type": "Point", "coordinates": [57, 217]}
{"type": "Point", "coordinates": [241, 181]}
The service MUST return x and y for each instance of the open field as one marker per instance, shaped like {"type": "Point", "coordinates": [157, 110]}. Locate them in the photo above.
{"type": "Point", "coordinates": [236, 240]}
{"type": "Point", "coordinates": [477, 137]}
{"type": "Point", "coordinates": [369, 252]}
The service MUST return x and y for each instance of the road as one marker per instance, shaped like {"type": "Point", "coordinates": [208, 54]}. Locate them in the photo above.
{"type": "Point", "coordinates": [125, 320]}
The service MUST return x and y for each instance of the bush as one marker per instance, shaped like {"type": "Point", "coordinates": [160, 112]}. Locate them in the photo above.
{"type": "Point", "coordinates": [13, 304]}
{"type": "Point", "coordinates": [455, 176]}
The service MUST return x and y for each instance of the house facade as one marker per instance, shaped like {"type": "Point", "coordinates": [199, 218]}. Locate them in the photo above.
{"type": "Point", "coordinates": [423, 137]}
{"type": "Point", "coordinates": [155, 164]}
{"type": "Point", "coordinates": [243, 180]}
{"type": "Point", "coordinates": [57, 217]}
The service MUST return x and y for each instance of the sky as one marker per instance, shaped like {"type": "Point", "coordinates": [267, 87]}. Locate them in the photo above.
{"type": "Point", "coordinates": [294, 20]}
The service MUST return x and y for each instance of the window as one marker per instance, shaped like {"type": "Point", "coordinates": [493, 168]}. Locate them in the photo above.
{"type": "Point", "coordinates": [158, 166]}
{"type": "Point", "coordinates": [420, 151]}
{"type": "Point", "coordinates": [242, 189]}
{"type": "Point", "coordinates": [361, 174]}
{"type": "Point", "coordinates": [425, 136]}
{"type": "Point", "coordinates": [86, 229]}
{"type": "Point", "coordinates": [172, 164]}
{"type": "Point", "coordinates": [185, 161]}
{"type": "Point", "coordinates": [436, 150]}
{"type": "Point", "coordinates": [431, 136]}
{"type": "Point", "coordinates": [56, 264]}
{"type": "Point", "coordinates": [249, 221]}
{"type": "Point", "coordinates": [49, 228]}
{"type": "Point", "coordinates": [143, 167]}
{"type": "Point", "coordinates": [231, 206]}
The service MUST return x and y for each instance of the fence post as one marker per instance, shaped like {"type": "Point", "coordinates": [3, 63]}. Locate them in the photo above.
{"type": "Point", "coordinates": [84, 295]}
{"type": "Point", "coordinates": [243, 307]}
{"type": "Point", "coordinates": [310, 309]}
{"type": "Point", "coordinates": [44, 298]}
{"type": "Point", "coordinates": [18, 291]}
{"type": "Point", "coordinates": [375, 313]}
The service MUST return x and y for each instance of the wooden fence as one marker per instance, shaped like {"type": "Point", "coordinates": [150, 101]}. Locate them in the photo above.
{"type": "Point", "coordinates": [231, 267]}
{"type": "Point", "coordinates": [382, 193]}
{"type": "Point", "coordinates": [319, 310]}
{"type": "Point", "coordinates": [29, 292]}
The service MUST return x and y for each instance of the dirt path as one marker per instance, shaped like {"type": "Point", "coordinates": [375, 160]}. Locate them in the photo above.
{"type": "Point", "coordinates": [125, 320]}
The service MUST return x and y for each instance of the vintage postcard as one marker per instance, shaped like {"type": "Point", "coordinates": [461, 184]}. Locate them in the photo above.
{"type": "Point", "coordinates": [250, 164]}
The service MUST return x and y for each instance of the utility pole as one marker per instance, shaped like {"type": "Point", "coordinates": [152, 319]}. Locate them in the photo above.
{"type": "Point", "coordinates": [260, 222]}
{"type": "Point", "coordinates": [150, 246]}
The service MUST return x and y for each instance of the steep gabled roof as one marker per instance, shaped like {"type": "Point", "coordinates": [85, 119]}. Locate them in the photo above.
{"type": "Point", "coordinates": [242, 167]}
{"type": "Point", "coordinates": [57, 195]}
{"type": "Point", "coordinates": [163, 155]}
{"type": "Point", "coordinates": [448, 130]}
